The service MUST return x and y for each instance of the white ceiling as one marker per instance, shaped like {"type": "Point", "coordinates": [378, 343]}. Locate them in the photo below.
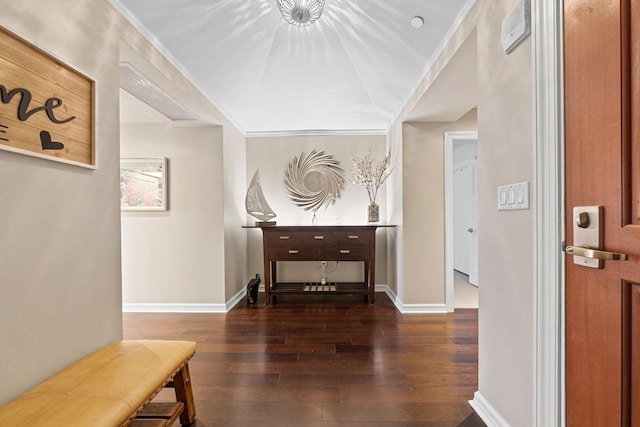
{"type": "Point", "coordinates": [352, 70]}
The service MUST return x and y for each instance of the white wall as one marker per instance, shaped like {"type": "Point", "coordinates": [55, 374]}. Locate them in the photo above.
{"type": "Point", "coordinates": [505, 150]}
{"type": "Point", "coordinates": [60, 240]}
{"type": "Point", "coordinates": [271, 156]}
{"type": "Point", "coordinates": [176, 256]}
{"type": "Point", "coordinates": [60, 267]}
{"type": "Point", "coordinates": [412, 295]}
{"type": "Point", "coordinates": [235, 187]}
{"type": "Point", "coordinates": [423, 210]}
{"type": "Point", "coordinates": [233, 153]}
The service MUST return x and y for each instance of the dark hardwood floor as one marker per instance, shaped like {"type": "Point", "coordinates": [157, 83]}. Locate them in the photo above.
{"type": "Point", "coordinates": [325, 361]}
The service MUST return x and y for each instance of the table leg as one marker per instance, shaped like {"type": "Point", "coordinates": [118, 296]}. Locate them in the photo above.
{"type": "Point", "coordinates": [267, 282]}
{"type": "Point", "coordinates": [372, 270]}
{"type": "Point", "coordinates": [366, 279]}
{"type": "Point", "coordinates": [274, 279]}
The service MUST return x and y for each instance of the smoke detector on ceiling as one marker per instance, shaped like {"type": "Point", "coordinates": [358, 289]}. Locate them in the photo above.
{"type": "Point", "coordinates": [417, 22]}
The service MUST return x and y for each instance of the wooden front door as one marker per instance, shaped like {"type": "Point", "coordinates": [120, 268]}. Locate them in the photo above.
{"type": "Point", "coordinates": [602, 112]}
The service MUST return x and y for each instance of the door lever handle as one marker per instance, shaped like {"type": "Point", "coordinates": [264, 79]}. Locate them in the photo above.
{"type": "Point", "coordinates": [587, 252]}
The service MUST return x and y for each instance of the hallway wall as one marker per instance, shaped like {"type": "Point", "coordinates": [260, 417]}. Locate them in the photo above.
{"type": "Point", "coordinates": [423, 207]}
{"type": "Point", "coordinates": [176, 257]}
{"type": "Point", "coordinates": [60, 244]}
{"type": "Point", "coordinates": [60, 263]}
{"type": "Point", "coordinates": [505, 151]}
{"type": "Point", "coordinates": [506, 238]}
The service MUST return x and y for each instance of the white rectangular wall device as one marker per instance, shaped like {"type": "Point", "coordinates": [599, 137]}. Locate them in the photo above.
{"type": "Point", "coordinates": [513, 197]}
{"type": "Point", "coordinates": [516, 26]}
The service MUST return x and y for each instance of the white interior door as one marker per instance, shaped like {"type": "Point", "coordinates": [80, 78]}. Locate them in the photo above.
{"type": "Point", "coordinates": [462, 207]}
{"type": "Point", "coordinates": [461, 150]}
{"type": "Point", "coordinates": [465, 219]}
{"type": "Point", "coordinates": [473, 226]}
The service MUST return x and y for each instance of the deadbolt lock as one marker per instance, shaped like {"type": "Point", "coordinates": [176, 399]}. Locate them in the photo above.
{"type": "Point", "coordinates": [582, 219]}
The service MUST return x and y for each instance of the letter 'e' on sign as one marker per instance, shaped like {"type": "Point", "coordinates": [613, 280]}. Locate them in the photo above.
{"type": "Point", "coordinates": [46, 107]}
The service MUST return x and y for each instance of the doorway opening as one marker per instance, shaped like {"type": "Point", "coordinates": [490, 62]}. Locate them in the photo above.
{"type": "Point", "coordinates": [461, 221]}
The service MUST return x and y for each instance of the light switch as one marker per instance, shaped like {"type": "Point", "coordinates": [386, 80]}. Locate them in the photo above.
{"type": "Point", "coordinates": [514, 196]}
{"type": "Point", "coordinates": [502, 198]}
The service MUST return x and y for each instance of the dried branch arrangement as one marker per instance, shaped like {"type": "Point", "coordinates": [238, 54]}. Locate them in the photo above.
{"type": "Point", "coordinates": [370, 177]}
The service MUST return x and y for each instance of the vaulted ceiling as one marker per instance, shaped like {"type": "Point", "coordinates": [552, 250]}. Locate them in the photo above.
{"type": "Point", "coordinates": [352, 70]}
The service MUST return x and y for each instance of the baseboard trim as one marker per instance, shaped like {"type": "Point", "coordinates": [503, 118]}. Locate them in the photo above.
{"type": "Point", "coordinates": [173, 308]}
{"type": "Point", "coordinates": [411, 308]}
{"type": "Point", "coordinates": [487, 412]}
{"type": "Point", "coordinates": [424, 309]}
{"type": "Point", "coordinates": [236, 299]}
{"type": "Point", "coordinates": [224, 308]}
{"type": "Point", "coordinates": [392, 295]}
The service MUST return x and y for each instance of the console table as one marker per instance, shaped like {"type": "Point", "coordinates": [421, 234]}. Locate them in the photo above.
{"type": "Point", "coordinates": [319, 243]}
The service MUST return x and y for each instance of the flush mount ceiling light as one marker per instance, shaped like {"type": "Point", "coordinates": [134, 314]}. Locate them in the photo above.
{"type": "Point", "coordinates": [301, 13]}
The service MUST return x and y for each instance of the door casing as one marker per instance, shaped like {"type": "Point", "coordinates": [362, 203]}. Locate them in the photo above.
{"type": "Point", "coordinates": [548, 194]}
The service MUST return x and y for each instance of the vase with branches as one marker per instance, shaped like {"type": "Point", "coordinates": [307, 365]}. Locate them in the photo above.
{"type": "Point", "coordinates": [371, 177]}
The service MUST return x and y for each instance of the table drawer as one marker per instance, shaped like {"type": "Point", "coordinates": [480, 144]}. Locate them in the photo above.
{"type": "Point", "coordinates": [324, 238]}
{"type": "Point", "coordinates": [344, 253]}
{"type": "Point", "coordinates": [293, 253]}
{"type": "Point", "coordinates": [284, 240]}
{"type": "Point", "coordinates": [353, 238]}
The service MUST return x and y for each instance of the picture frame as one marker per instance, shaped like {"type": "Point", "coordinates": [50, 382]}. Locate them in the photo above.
{"type": "Point", "coordinates": [48, 107]}
{"type": "Point", "coordinates": [143, 184]}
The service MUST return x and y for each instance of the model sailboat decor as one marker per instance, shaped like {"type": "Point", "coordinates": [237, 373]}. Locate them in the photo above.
{"type": "Point", "coordinates": [256, 203]}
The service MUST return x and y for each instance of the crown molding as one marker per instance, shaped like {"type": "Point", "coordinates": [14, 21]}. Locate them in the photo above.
{"type": "Point", "coordinates": [316, 132]}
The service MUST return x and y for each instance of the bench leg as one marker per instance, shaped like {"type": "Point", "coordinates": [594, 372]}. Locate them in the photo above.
{"type": "Point", "coordinates": [184, 394]}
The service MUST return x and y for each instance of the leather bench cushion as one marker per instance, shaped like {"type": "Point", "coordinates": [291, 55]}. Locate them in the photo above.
{"type": "Point", "coordinates": [68, 411]}
{"type": "Point", "coordinates": [104, 388]}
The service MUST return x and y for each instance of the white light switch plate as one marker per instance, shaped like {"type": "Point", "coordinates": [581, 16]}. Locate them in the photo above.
{"type": "Point", "coordinates": [514, 196]}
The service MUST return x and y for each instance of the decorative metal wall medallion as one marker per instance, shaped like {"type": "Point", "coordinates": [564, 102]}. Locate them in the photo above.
{"type": "Point", "coordinates": [314, 180]}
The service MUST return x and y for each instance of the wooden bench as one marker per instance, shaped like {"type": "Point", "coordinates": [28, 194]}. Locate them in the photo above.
{"type": "Point", "coordinates": [110, 388]}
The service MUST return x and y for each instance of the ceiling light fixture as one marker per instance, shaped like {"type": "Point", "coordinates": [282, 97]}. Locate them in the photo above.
{"type": "Point", "coordinates": [301, 13]}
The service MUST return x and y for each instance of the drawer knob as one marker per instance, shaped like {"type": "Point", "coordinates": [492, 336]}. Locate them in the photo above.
{"type": "Point", "coordinates": [354, 237]}
{"type": "Point", "coordinates": [345, 251]}
{"type": "Point", "coordinates": [284, 237]}
{"type": "Point", "coordinates": [318, 237]}
{"type": "Point", "coordinates": [293, 251]}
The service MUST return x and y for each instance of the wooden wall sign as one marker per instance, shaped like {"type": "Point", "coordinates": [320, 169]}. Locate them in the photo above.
{"type": "Point", "coordinates": [46, 107]}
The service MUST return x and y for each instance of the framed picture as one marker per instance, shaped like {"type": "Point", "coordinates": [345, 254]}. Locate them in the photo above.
{"type": "Point", "coordinates": [143, 184]}
{"type": "Point", "coordinates": [47, 108]}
